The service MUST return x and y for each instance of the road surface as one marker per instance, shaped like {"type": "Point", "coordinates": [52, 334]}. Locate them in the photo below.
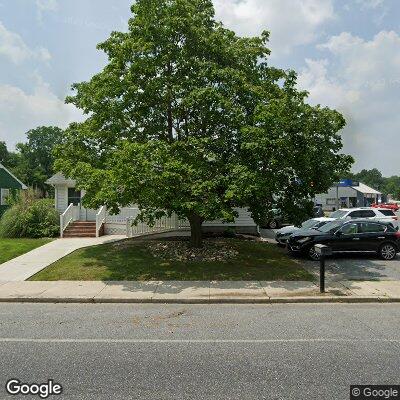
{"type": "Point", "coordinates": [200, 351]}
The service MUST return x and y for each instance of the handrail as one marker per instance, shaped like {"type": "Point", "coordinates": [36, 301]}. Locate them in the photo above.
{"type": "Point", "coordinates": [100, 219]}
{"type": "Point", "coordinates": [66, 218]}
{"type": "Point", "coordinates": [163, 224]}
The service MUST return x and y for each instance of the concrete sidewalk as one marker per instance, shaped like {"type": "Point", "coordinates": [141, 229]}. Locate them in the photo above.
{"type": "Point", "coordinates": [28, 264]}
{"type": "Point", "coordinates": [198, 292]}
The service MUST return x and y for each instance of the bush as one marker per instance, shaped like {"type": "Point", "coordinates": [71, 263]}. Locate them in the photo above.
{"type": "Point", "coordinates": [29, 216]}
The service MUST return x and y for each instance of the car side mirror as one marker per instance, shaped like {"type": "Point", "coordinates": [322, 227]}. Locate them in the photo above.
{"type": "Point", "coordinates": [338, 233]}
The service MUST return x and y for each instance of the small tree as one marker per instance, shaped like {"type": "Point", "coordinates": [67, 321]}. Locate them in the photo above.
{"type": "Point", "coordinates": [187, 117]}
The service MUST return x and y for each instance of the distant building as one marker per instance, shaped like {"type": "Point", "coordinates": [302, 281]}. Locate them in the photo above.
{"type": "Point", "coordinates": [8, 182]}
{"type": "Point", "coordinates": [348, 194]}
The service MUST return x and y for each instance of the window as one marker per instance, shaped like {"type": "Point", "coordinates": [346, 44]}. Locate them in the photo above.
{"type": "Point", "coordinates": [357, 214]}
{"type": "Point", "coordinates": [388, 213]}
{"type": "Point", "coordinates": [4, 193]}
{"type": "Point", "coordinates": [338, 214]}
{"type": "Point", "coordinates": [74, 196]}
{"type": "Point", "coordinates": [373, 228]}
{"type": "Point", "coordinates": [349, 229]}
{"type": "Point", "coordinates": [367, 214]}
{"type": "Point", "coordinates": [330, 202]}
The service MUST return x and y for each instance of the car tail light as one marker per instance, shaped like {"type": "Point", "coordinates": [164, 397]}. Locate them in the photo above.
{"type": "Point", "coordinates": [397, 234]}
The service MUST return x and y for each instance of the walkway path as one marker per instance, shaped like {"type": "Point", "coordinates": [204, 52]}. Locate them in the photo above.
{"type": "Point", "coordinates": [198, 292]}
{"type": "Point", "coordinates": [23, 267]}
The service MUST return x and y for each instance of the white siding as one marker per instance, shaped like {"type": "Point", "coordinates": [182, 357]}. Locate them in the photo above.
{"type": "Point", "coordinates": [244, 219]}
{"type": "Point", "coordinates": [61, 198]}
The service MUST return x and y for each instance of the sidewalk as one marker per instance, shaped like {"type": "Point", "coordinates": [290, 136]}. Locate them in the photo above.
{"type": "Point", "coordinates": [198, 292]}
{"type": "Point", "coordinates": [27, 265]}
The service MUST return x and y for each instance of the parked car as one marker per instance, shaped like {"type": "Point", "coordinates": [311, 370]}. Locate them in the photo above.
{"type": "Point", "coordinates": [380, 214]}
{"type": "Point", "coordinates": [364, 235]}
{"type": "Point", "coordinates": [391, 206]}
{"type": "Point", "coordinates": [318, 212]}
{"type": "Point", "coordinates": [275, 222]}
{"type": "Point", "coordinates": [282, 235]}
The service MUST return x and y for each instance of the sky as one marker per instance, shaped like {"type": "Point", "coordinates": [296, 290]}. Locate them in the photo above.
{"type": "Point", "coordinates": [346, 54]}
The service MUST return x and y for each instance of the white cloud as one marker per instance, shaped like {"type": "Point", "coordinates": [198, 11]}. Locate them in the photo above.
{"type": "Point", "coordinates": [363, 81]}
{"type": "Point", "coordinates": [15, 49]}
{"type": "Point", "coordinates": [291, 22]}
{"type": "Point", "coordinates": [21, 111]}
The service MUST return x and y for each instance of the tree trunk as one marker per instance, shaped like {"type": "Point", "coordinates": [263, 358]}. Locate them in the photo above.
{"type": "Point", "coordinates": [196, 237]}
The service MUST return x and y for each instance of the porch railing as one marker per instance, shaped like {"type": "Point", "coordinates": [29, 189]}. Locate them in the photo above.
{"type": "Point", "coordinates": [100, 219]}
{"type": "Point", "coordinates": [69, 215]}
{"type": "Point", "coordinates": [164, 224]}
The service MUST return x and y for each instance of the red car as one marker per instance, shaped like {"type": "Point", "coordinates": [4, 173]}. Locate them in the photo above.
{"type": "Point", "coordinates": [391, 206]}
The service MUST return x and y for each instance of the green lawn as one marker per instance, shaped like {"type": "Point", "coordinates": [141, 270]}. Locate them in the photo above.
{"type": "Point", "coordinates": [11, 248]}
{"type": "Point", "coordinates": [110, 262]}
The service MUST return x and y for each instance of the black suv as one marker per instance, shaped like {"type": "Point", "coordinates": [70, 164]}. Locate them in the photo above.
{"type": "Point", "coordinates": [349, 236]}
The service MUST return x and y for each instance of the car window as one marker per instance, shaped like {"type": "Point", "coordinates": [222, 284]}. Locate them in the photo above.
{"type": "Point", "coordinates": [367, 214]}
{"type": "Point", "coordinates": [321, 223]}
{"type": "Point", "coordinates": [388, 213]}
{"type": "Point", "coordinates": [309, 223]}
{"type": "Point", "coordinates": [373, 228]}
{"type": "Point", "coordinates": [349, 229]}
{"type": "Point", "coordinates": [338, 214]}
{"type": "Point", "coordinates": [331, 226]}
{"type": "Point", "coordinates": [356, 214]}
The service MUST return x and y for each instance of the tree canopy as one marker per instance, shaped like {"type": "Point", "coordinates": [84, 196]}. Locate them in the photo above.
{"type": "Point", "coordinates": [33, 160]}
{"type": "Point", "coordinates": [188, 117]}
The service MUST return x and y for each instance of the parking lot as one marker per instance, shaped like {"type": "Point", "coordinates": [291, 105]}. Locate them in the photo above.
{"type": "Point", "coordinates": [350, 267]}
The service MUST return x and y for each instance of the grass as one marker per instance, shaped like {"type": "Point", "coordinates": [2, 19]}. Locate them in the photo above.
{"type": "Point", "coordinates": [11, 248]}
{"type": "Point", "coordinates": [112, 262]}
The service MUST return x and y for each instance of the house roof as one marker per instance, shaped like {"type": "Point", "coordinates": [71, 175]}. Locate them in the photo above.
{"type": "Point", "coordinates": [362, 188]}
{"type": "Point", "coordinates": [8, 180]}
{"type": "Point", "coordinates": [60, 179]}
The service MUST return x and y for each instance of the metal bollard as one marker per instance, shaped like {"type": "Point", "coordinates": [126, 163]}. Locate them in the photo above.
{"type": "Point", "coordinates": [323, 251]}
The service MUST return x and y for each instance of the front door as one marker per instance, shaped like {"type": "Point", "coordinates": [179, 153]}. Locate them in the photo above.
{"type": "Point", "coordinates": [348, 239]}
{"type": "Point", "coordinates": [75, 197]}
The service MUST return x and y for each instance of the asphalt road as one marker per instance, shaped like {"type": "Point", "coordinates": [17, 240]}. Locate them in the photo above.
{"type": "Point", "coordinates": [200, 352]}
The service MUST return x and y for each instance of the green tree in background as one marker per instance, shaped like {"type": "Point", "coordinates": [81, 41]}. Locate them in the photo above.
{"type": "Point", "coordinates": [3, 153]}
{"type": "Point", "coordinates": [188, 117]}
{"type": "Point", "coordinates": [34, 160]}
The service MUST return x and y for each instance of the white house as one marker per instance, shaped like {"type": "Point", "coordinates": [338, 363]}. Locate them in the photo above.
{"type": "Point", "coordinates": [78, 221]}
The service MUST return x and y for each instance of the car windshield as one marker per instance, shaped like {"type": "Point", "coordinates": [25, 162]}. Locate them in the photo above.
{"type": "Point", "coordinates": [333, 225]}
{"type": "Point", "coordinates": [338, 214]}
{"type": "Point", "coordinates": [309, 223]}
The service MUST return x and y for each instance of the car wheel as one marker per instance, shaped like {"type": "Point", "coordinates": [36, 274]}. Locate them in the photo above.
{"type": "Point", "coordinates": [388, 251]}
{"type": "Point", "coordinates": [313, 254]}
{"type": "Point", "coordinates": [273, 224]}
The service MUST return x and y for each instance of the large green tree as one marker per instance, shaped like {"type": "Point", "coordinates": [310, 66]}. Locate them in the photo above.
{"type": "Point", "coordinates": [34, 160]}
{"type": "Point", "coordinates": [187, 117]}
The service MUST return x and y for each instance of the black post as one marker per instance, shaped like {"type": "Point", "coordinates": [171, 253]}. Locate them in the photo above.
{"type": "Point", "coordinates": [322, 274]}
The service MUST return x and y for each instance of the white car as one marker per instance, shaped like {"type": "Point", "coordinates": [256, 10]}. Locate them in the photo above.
{"type": "Point", "coordinates": [282, 235]}
{"type": "Point", "coordinates": [381, 214]}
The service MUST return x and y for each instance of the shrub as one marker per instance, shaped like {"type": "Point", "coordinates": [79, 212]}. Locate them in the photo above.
{"type": "Point", "coordinates": [29, 216]}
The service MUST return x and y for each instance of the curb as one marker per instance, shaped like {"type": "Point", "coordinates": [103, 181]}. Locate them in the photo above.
{"type": "Point", "coordinates": [275, 300]}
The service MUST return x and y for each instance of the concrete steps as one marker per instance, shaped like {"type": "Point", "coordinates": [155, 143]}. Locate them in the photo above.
{"type": "Point", "coordinates": [80, 229]}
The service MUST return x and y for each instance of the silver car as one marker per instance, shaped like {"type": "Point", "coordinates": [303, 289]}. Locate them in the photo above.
{"type": "Point", "coordinates": [282, 235]}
